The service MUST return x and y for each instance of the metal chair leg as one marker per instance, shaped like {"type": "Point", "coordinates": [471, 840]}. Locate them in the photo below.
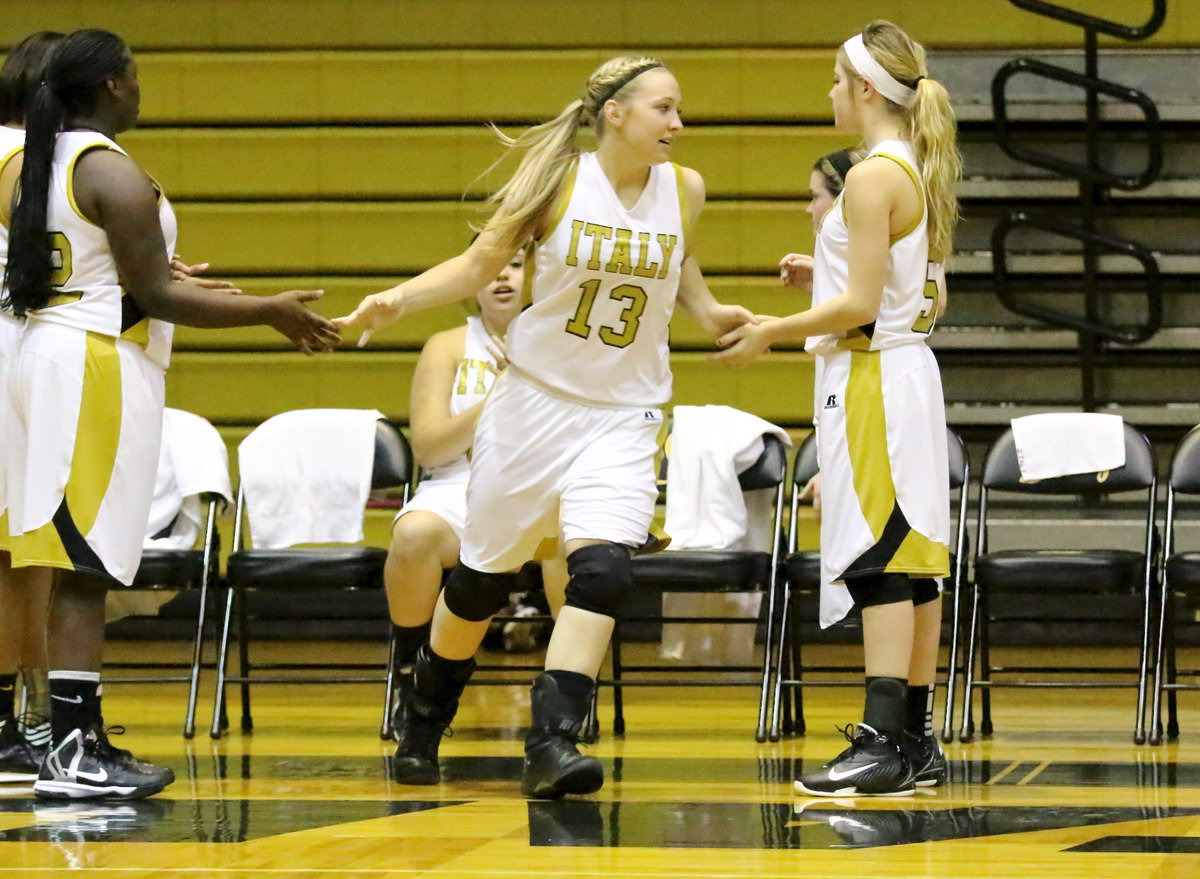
{"type": "Point", "coordinates": [244, 660]}
{"type": "Point", "coordinates": [793, 618]}
{"type": "Point", "coordinates": [1139, 722]}
{"type": "Point", "coordinates": [768, 703]}
{"type": "Point", "coordinates": [782, 610]}
{"type": "Point", "coordinates": [985, 665]}
{"type": "Point", "coordinates": [952, 671]}
{"type": "Point", "coordinates": [219, 720]}
{"type": "Point", "coordinates": [389, 692]}
{"type": "Point", "coordinates": [968, 725]}
{"type": "Point", "coordinates": [1172, 677]}
{"type": "Point", "coordinates": [618, 688]}
{"type": "Point", "coordinates": [208, 572]}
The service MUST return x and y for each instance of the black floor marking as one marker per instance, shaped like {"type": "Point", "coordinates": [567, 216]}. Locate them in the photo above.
{"type": "Point", "coordinates": [1159, 845]}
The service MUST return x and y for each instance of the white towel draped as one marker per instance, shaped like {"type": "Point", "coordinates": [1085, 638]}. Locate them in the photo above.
{"type": "Point", "coordinates": [307, 474]}
{"type": "Point", "coordinates": [1065, 443]}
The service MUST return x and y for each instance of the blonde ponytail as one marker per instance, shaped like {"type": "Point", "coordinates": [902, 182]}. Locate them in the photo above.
{"type": "Point", "coordinates": [929, 126]}
{"type": "Point", "coordinates": [549, 151]}
{"type": "Point", "coordinates": [933, 134]}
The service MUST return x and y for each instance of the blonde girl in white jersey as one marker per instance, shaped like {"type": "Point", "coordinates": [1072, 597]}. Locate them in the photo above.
{"type": "Point", "coordinates": [90, 237]}
{"type": "Point", "coordinates": [877, 293]}
{"type": "Point", "coordinates": [567, 437]}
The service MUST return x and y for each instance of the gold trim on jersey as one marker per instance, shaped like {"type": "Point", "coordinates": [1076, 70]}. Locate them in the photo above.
{"type": "Point", "coordinates": [6, 208]}
{"type": "Point", "coordinates": [563, 200]}
{"type": "Point", "coordinates": [916, 181]}
{"type": "Point", "coordinates": [685, 215]}
{"type": "Point", "coordinates": [900, 550]}
{"type": "Point", "coordinates": [97, 437]}
{"type": "Point", "coordinates": [4, 531]}
{"type": "Point", "coordinates": [71, 178]}
{"type": "Point", "coordinates": [63, 299]}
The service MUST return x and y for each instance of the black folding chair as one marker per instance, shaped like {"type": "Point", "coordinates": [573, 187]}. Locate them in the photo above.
{"type": "Point", "coordinates": [1065, 576]}
{"type": "Point", "coordinates": [180, 570]}
{"type": "Point", "coordinates": [710, 571]}
{"type": "Point", "coordinates": [339, 567]}
{"type": "Point", "coordinates": [802, 574]}
{"type": "Point", "coordinates": [1180, 583]}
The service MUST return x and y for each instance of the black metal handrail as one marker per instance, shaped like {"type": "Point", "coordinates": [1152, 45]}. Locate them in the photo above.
{"type": "Point", "coordinates": [1094, 179]}
{"type": "Point", "coordinates": [1100, 25]}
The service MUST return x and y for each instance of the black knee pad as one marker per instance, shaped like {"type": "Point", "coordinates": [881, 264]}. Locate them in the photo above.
{"type": "Point", "coordinates": [871, 590]}
{"type": "Point", "coordinates": [601, 577]}
{"type": "Point", "coordinates": [476, 595]}
{"type": "Point", "coordinates": [924, 590]}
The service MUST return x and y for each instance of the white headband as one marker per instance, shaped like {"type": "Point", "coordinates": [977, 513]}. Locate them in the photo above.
{"type": "Point", "coordinates": [872, 71]}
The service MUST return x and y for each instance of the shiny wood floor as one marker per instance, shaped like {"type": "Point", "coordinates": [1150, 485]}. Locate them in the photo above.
{"type": "Point", "coordinates": [1058, 791]}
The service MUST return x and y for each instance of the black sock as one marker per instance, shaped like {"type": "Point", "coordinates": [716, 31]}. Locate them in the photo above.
{"type": "Point", "coordinates": [886, 704]}
{"type": "Point", "coordinates": [572, 684]}
{"type": "Point", "coordinates": [74, 702]}
{"type": "Point", "coordinates": [408, 641]}
{"type": "Point", "coordinates": [920, 711]}
{"type": "Point", "coordinates": [8, 696]}
{"type": "Point", "coordinates": [447, 669]}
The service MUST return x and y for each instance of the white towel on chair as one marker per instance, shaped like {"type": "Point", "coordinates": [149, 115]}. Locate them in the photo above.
{"type": "Point", "coordinates": [710, 446]}
{"type": "Point", "coordinates": [1065, 443]}
{"type": "Point", "coordinates": [193, 462]}
{"type": "Point", "coordinates": [306, 475]}
{"type": "Point", "coordinates": [706, 509]}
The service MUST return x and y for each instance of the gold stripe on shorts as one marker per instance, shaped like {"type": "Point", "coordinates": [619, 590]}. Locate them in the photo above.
{"type": "Point", "coordinates": [61, 543]}
{"type": "Point", "coordinates": [898, 548]}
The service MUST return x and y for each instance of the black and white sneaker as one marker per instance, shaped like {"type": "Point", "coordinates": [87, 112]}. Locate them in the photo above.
{"type": "Point", "coordinates": [85, 765]}
{"type": "Point", "coordinates": [20, 759]}
{"type": "Point", "coordinates": [929, 765]}
{"type": "Point", "coordinates": [873, 766]}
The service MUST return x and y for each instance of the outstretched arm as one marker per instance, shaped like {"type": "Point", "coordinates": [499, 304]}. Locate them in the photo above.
{"type": "Point", "coordinates": [115, 194]}
{"type": "Point", "coordinates": [451, 281]}
{"type": "Point", "coordinates": [868, 206]}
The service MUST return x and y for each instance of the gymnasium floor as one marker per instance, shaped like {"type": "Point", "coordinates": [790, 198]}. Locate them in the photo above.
{"type": "Point", "coordinates": [1058, 791]}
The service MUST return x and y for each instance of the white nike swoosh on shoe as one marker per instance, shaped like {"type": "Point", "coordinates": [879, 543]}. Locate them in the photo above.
{"type": "Point", "coordinates": [834, 775]}
{"type": "Point", "coordinates": [99, 776]}
{"type": "Point", "coordinates": [75, 700]}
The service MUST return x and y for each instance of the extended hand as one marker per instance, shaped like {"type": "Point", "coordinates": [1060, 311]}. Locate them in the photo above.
{"type": "Point", "coordinates": [186, 274]}
{"type": "Point", "coordinates": [743, 345]}
{"type": "Point", "coordinates": [723, 318]}
{"type": "Point", "coordinates": [307, 330]}
{"type": "Point", "coordinates": [373, 314]}
{"type": "Point", "coordinates": [796, 270]}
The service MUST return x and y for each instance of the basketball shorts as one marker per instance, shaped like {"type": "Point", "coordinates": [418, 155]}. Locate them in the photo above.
{"type": "Point", "coordinates": [885, 485]}
{"type": "Point", "coordinates": [543, 465]}
{"type": "Point", "coordinates": [10, 338]}
{"type": "Point", "coordinates": [82, 445]}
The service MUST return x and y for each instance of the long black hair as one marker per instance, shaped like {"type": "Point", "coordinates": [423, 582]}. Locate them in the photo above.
{"type": "Point", "coordinates": [71, 79]}
{"type": "Point", "coordinates": [21, 73]}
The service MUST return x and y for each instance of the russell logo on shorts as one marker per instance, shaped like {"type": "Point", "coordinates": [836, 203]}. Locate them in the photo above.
{"type": "Point", "coordinates": [831, 403]}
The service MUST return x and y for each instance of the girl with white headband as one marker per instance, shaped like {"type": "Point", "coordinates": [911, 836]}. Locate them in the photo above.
{"type": "Point", "coordinates": [878, 290]}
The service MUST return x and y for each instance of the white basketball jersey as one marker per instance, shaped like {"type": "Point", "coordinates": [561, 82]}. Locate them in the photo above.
{"type": "Point", "coordinates": [912, 286]}
{"type": "Point", "coordinates": [473, 378]}
{"type": "Point", "coordinates": [12, 141]}
{"type": "Point", "coordinates": [88, 293]}
{"type": "Point", "coordinates": [603, 283]}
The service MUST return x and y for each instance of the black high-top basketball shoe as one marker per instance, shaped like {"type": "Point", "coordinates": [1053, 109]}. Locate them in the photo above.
{"type": "Point", "coordinates": [20, 759]}
{"type": "Point", "coordinates": [929, 765]}
{"type": "Point", "coordinates": [553, 764]}
{"type": "Point", "coordinates": [424, 716]}
{"type": "Point", "coordinates": [873, 766]}
{"type": "Point", "coordinates": [85, 765]}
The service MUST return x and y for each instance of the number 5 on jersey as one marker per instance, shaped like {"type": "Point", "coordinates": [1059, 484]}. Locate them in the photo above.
{"type": "Point", "coordinates": [633, 295]}
{"type": "Point", "coordinates": [934, 293]}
